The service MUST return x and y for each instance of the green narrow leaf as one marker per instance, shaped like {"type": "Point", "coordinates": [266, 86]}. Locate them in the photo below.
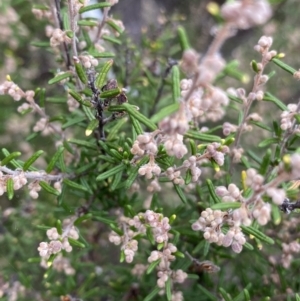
{"type": "Point", "coordinates": [91, 127]}
{"type": "Point", "coordinates": [297, 297]}
{"type": "Point", "coordinates": [152, 266]}
{"type": "Point", "coordinates": [136, 125]}
{"type": "Point", "coordinates": [80, 72]}
{"type": "Point", "coordinates": [258, 234]}
{"type": "Point", "coordinates": [102, 55]}
{"type": "Point", "coordinates": [83, 143]}
{"type": "Point", "coordinates": [168, 289]}
{"type": "Point", "coordinates": [261, 125]}
{"type": "Point", "coordinates": [116, 229]}
{"type": "Point", "coordinates": [180, 193]}
{"type": "Point", "coordinates": [268, 141]}
{"type": "Point", "coordinates": [254, 66]}
{"type": "Point", "coordinates": [234, 98]}
{"type": "Point", "coordinates": [110, 93]}
{"type": "Point", "coordinates": [241, 295]}
{"type": "Point", "coordinates": [202, 136]}
{"type": "Point", "coordinates": [188, 177]}
{"type": "Point", "coordinates": [175, 84]}
{"type": "Point", "coordinates": [154, 292]}
{"type": "Point", "coordinates": [111, 39]}
{"type": "Point", "coordinates": [254, 157]}
{"type": "Point", "coordinates": [183, 39]}
{"type": "Point", "coordinates": [42, 96]}
{"type": "Point", "coordinates": [101, 77]}
{"type": "Point", "coordinates": [54, 159]}
{"type": "Point", "coordinates": [269, 97]}
{"type": "Point", "coordinates": [94, 6]}
{"type": "Point", "coordinates": [59, 78]}
{"type": "Point", "coordinates": [114, 26]}
{"type": "Point", "coordinates": [86, 22]}
{"type": "Point", "coordinates": [10, 188]}
{"type": "Point", "coordinates": [115, 129]}
{"type": "Point", "coordinates": [207, 293]}
{"type": "Point", "coordinates": [49, 188]}
{"type": "Point", "coordinates": [284, 66]}
{"type": "Point", "coordinates": [265, 164]}
{"type": "Point", "coordinates": [212, 191]}
{"type": "Point", "coordinates": [75, 185]}
{"type": "Point", "coordinates": [164, 112]}
{"type": "Point", "coordinates": [225, 295]}
{"type": "Point", "coordinates": [75, 120]}
{"type": "Point", "coordinates": [59, 227]}
{"type": "Point", "coordinates": [79, 99]}
{"type": "Point", "coordinates": [110, 172]}
{"type": "Point", "coordinates": [76, 243]}
{"type": "Point", "coordinates": [226, 206]}
{"type": "Point", "coordinates": [117, 179]}
{"type": "Point", "coordinates": [32, 159]}
{"type": "Point", "coordinates": [132, 111]}
{"type": "Point", "coordinates": [9, 157]}
{"type": "Point", "coordinates": [88, 112]}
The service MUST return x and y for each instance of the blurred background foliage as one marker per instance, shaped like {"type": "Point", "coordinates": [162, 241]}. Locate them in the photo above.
{"type": "Point", "coordinates": [150, 40]}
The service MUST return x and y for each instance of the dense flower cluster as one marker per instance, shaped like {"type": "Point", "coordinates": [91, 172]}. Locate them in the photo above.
{"type": "Point", "coordinates": [245, 14]}
{"type": "Point", "coordinates": [160, 228]}
{"type": "Point", "coordinates": [211, 222]}
{"type": "Point", "coordinates": [59, 242]}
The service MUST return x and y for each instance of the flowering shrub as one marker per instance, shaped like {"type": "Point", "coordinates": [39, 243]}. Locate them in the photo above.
{"type": "Point", "coordinates": [130, 172]}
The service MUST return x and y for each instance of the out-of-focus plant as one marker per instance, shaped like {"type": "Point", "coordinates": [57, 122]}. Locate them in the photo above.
{"type": "Point", "coordinates": [146, 148]}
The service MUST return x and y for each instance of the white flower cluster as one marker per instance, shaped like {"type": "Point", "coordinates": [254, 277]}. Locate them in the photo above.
{"type": "Point", "coordinates": [295, 165]}
{"type": "Point", "coordinates": [59, 264]}
{"type": "Point", "coordinates": [57, 36]}
{"type": "Point", "coordinates": [158, 223]}
{"type": "Point", "coordinates": [189, 61]}
{"type": "Point", "coordinates": [176, 123]}
{"type": "Point", "coordinates": [232, 194]}
{"type": "Point", "coordinates": [34, 188]}
{"type": "Point", "coordinates": [191, 164]}
{"type": "Point", "coordinates": [42, 13]}
{"type": "Point", "coordinates": [288, 251]}
{"type": "Point", "coordinates": [58, 241]}
{"type": "Point", "coordinates": [211, 221]}
{"type": "Point", "coordinates": [159, 226]}
{"type": "Point", "coordinates": [154, 186]}
{"type": "Point", "coordinates": [205, 104]}
{"type": "Point", "coordinates": [88, 61]}
{"type": "Point", "coordinates": [19, 181]}
{"type": "Point", "coordinates": [263, 46]}
{"type": "Point", "coordinates": [164, 270]}
{"type": "Point", "coordinates": [217, 151]}
{"type": "Point", "coordinates": [144, 144]}
{"type": "Point", "coordinates": [139, 269]}
{"type": "Point", "coordinates": [43, 126]}
{"type": "Point", "coordinates": [262, 212]}
{"type": "Point", "coordinates": [253, 179]}
{"type": "Point", "coordinates": [12, 89]}
{"type": "Point", "coordinates": [12, 291]}
{"type": "Point", "coordinates": [245, 14]}
{"type": "Point", "coordinates": [174, 176]}
{"type": "Point", "coordinates": [277, 195]}
{"type": "Point", "coordinates": [150, 169]}
{"type": "Point", "coordinates": [287, 117]}
{"type": "Point", "coordinates": [129, 245]}
{"type": "Point", "coordinates": [174, 146]}
{"type": "Point", "coordinates": [209, 68]}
